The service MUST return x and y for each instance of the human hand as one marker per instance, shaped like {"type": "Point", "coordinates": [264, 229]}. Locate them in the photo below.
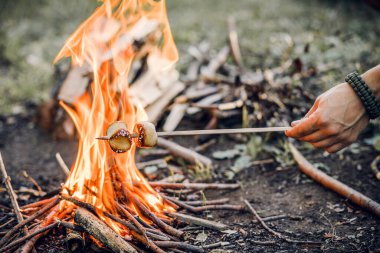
{"type": "Point", "coordinates": [334, 122]}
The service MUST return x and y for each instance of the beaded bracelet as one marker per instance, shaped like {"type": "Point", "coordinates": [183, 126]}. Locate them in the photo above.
{"type": "Point", "coordinates": [365, 94]}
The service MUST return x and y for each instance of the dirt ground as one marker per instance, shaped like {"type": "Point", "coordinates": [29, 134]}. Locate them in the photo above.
{"type": "Point", "coordinates": [332, 28]}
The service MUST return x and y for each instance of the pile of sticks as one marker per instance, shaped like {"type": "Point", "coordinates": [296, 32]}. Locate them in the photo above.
{"type": "Point", "coordinates": [148, 230]}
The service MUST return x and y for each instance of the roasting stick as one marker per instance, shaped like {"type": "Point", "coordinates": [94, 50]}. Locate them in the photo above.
{"type": "Point", "coordinates": [223, 131]}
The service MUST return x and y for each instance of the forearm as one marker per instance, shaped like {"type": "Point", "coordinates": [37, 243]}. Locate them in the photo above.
{"type": "Point", "coordinates": [372, 79]}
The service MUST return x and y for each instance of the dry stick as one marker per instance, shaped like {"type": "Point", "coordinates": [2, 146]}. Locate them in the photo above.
{"type": "Point", "coordinates": [7, 223]}
{"type": "Point", "coordinates": [62, 164]}
{"type": "Point", "coordinates": [207, 202]}
{"type": "Point", "coordinates": [31, 218]}
{"type": "Point", "coordinates": [38, 203]}
{"type": "Point", "coordinates": [234, 42]}
{"type": "Point", "coordinates": [199, 209]}
{"type": "Point", "coordinates": [195, 186]}
{"type": "Point", "coordinates": [277, 234]}
{"type": "Point", "coordinates": [101, 231]}
{"type": "Point", "coordinates": [333, 184]}
{"type": "Point", "coordinates": [185, 153]}
{"type": "Point", "coordinates": [34, 182]}
{"type": "Point", "coordinates": [53, 214]}
{"type": "Point", "coordinates": [27, 237]}
{"type": "Point", "coordinates": [150, 244]}
{"type": "Point", "coordinates": [168, 229]}
{"type": "Point", "coordinates": [133, 228]}
{"type": "Point", "coordinates": [179, 245]}
{"type": "Point", "coordinates": [12, 194]}
{"type": "Point", "coordinates": [198, 221]}
{"type": "Point", "coordinates": [92, 209]}
{"type": "Point", "coordinates": [273, 218]}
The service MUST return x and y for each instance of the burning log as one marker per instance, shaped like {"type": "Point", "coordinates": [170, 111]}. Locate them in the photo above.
{"type": "Point", "coordinates": [74, 241]}
{"type": "Point", "coordinates": [100, 231]}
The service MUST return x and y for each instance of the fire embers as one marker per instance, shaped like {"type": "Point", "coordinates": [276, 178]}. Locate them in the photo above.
{"type": "Point", "coordinates": [120, 139]}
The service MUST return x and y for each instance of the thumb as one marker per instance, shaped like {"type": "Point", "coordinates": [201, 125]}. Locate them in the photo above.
{"type": "Point", "coordinates": [313, 108]}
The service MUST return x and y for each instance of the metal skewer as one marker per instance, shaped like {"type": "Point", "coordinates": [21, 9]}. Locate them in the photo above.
{"type": "Point", "coordinates": [213, 131]}
{"type": "Point", "coordinates": [224, 131]}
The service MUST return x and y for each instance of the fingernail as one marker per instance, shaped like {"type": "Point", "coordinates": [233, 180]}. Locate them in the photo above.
{"type": "Point", "coordinates": [294, 123]}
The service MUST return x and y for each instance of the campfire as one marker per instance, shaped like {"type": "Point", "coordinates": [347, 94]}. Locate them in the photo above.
{"type": "Point", "coordinates": [121, 79]}
{"type": "Point", "coordinates": [105, 197]}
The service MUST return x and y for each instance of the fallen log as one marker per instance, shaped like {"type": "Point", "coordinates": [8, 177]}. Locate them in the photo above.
{"type": "Point", "coordinates": [100, 231]}
{"type": "Point", "coordinates": [331, 183]}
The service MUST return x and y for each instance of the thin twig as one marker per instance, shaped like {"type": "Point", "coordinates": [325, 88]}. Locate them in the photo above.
{"type": "Point", "coordinates": [195, 186]}
{"type": "Point", "coordinates": [277, 234]}
{"type": "Point", "coordinates": [27, 237]}
{"type": "Point", "coordinates": [31, 218]}
{"type": "Point", "coordinates": [34, 182]}
{"type": "Point", "coordinates": [12, 194]}
{"type": "Point", "coordinates": [62, 164]}
{"type": "Point", "coordinates": [207, 202]}
{"type": "Point", "coordinates": [198, 221]}
{"type": "Point", "coordinates": [198, 209]}
{"type": "Point", "coordinates": [179, 245]}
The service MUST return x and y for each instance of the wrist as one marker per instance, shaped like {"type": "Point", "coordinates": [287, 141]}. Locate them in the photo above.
{"type": "Point", "coordinates": [372, 79]}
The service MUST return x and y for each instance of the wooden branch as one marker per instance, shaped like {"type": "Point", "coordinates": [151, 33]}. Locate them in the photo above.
{"type": "Point", "coordinates": [62, 164]}
{"type": "Point", "coordinates": [168, 229]}
{"type": "Point", "coordinates": [198, 221]}
{"type": "Point", "coordinates": [38, 203]}
{"type": "Point", "coordinates": [234, 42]}
{"type": "Point", "coordinates": [178, 245]}
{"type": "Point", "coordinates": [199, 209]}
{"type": "Point", "coordinates": [101, 231]}
{"type": "Point", "coordinates": [12, 194]}
{"type": "Point", "coordinates": [207, 202]}
{"type": "Point", "coordinates": [185, 153]}
{"type": "Point", "coordinates": [333, 184]}
{"type": "Point", "coordinates": [156, 109]}
{"type": "Point", "coordinates": [277, 234]}
{"type": "Point", "coordinates": [29, 236]}
{"type": "Point", "coordinates": [31, 218]}
{"type": "Point", "coordinates": [195, 186]}
{"type": "Point", "coordinates": [175, 116]}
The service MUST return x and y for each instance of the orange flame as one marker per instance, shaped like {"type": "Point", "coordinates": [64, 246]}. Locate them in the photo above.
{"type": "Point", "coordinates": [105, 46]}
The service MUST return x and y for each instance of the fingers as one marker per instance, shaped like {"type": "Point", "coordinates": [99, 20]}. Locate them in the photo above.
{"type": "Point", "coordinates": [336, 147]}
{"type": "Point", "coordinates": [313, 108]}
{"type": "Point", "coordinates": [303, 127]}
{"type": "Point", "coordinates": [328, 142]}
